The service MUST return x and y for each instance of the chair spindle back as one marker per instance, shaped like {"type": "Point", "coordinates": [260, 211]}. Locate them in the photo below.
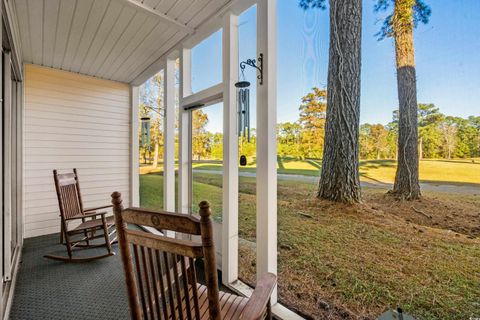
{"type": "Point", "coordinates": [160, 271]}
{"type": "Point", "coordinates": [68, 194]}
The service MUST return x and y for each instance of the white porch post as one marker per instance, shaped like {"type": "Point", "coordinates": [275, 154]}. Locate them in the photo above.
{"type": "Point", "coordinates": [230, 151]}
{"type": "Point", "coordinates": [134, 151]}
{"type": "Point", "coordinates": [184, 169]}
{"type": "Point", "coordinates": [266, 141]}
{"type": "Point", "coordinates": [169, 136]}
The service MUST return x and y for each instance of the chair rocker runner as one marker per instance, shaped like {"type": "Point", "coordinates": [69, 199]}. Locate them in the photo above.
{"type": "Point", "coordinates": [160, 271]}
{"type": "Point", "coordinates": [71, 210]}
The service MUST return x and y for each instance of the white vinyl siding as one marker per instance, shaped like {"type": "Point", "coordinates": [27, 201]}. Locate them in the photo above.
{"type": "Point", "coordinates": [73, 121]}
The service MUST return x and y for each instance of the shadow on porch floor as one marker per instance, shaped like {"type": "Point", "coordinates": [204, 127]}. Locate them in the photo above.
{"type": "Point", "coordinates": [54, 290]}
{"type": "Point", "coordinates": [48, 289]}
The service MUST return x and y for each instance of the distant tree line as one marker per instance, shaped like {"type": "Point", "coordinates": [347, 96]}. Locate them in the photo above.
{"type": "Point", "coordinates": [440, 136]}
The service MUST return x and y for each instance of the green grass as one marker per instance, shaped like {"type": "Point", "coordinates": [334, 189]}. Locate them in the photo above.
{"type": "Point", "coordinates": [354, 257]}
{"type": "Point", "coordinates": [447, 171]}
{"type": "Point", "coordinates": [439, 171]}
{"type": "Point", "coordinates": [151, 193]}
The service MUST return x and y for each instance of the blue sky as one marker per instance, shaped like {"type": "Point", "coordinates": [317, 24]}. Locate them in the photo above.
{"type": "Point", "coordinates": [447, 58]}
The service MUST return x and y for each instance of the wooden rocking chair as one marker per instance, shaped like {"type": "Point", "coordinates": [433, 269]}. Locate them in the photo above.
{"type": "Point", "coordinates": [160, 272]}
{"type": "Point", "coordinates": [71, 209]}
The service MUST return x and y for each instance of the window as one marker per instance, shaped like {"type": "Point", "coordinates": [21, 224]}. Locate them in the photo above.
{"type": "Point", "coordinates": [151, 115]}
{"type": "Point", "coordinates": [207, 62]}
{"type": "Point", "coordinates": [207, 156]}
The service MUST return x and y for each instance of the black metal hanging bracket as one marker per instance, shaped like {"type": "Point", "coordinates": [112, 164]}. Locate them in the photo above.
{"type": "Point", "coordinates": [257, 64]}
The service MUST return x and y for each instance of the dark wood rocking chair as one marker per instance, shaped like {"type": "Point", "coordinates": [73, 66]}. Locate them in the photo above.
{"type": "Point", "coordinates": [71, 209]}
{"type": "Point", "coordinates": [160, 272]}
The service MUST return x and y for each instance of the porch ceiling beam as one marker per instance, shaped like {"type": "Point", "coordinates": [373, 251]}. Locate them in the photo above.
{"type": "Point", "coordinates": [173, 22]}
{"type": "Point", "coordinates": [202, 31]}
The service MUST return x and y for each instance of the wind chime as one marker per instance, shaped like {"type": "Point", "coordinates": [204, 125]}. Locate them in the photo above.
{"type": "Point", "coordinates": [243, 100]}
{"type": "Point", "coordinates": [145, 137]}
{"type": "Point", "coordinates": [243, 109]}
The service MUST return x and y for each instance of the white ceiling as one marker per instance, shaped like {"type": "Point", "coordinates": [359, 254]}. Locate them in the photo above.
{"type": "Point", "coordinates": [109, 39]}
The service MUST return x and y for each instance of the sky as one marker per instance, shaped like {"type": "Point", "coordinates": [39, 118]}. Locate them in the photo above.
{"type": "Point", "coordinates": [447, 60]}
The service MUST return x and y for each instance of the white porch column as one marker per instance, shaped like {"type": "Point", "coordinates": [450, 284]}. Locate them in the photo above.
{"type": "Point", "coordinates": [134, 152]}
{"type": "Point", "coordinates": [230, 151]}
{"type": "Point", "coordinates": [266, 140]}
{"type": "Point", "coordinates": [169, 136]}
{"type": "Point", "coordinates": [184, 170]}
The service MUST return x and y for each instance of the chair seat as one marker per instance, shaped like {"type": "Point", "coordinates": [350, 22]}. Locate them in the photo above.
{"type": "Point", "coordinates": [94, 223]}
{"type": "Point", "coordinates": [231, 305]}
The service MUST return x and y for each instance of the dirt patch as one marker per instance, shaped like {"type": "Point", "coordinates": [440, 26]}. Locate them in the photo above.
{"type": "Point", "coordinates": [338, 261]}
{"type": "Point", "coordinates": [460, 214]}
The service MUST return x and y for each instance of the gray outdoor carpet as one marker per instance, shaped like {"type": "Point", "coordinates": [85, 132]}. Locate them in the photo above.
{"type": "Point", "coordinates": [48, 289]}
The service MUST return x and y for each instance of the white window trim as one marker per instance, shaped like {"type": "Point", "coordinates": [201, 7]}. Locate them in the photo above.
{"type": "Point", "coordinates": [7, 186]}
{"type": "Point", "coordinates": [205, 97]}
{"type": "Point", "coordinates": [266, 134]}
{"type": "Point", "coordinates": [278, 310]}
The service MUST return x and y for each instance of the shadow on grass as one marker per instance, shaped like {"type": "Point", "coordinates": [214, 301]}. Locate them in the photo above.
{"type": "Point", "coordinates": [375, 164]}
{"type": "Point", "coordinates": [453, 183]}
{"type": "Point", "coordinates": [456, 161]}
{"type": "Point", "coordinates": [315, 163]}
{"type": "Point", "coordinates": [280, 163]}
{"type": "Point", "coordinates": [373, 180]}
{"type": "Point", "coordinates": [474, 186]}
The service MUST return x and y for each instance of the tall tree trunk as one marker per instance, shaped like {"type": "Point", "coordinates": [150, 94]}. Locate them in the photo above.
{"type": "Point", "coordinates": [339, 180]}
{"type": "Point", "coordinates": [406, 179]}
{"type": "Point", "coordinates": [420, 148]}
{"type": "Point", "coordinates": [155, 155]}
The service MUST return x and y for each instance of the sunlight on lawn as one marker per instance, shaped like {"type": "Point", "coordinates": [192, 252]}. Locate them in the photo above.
{"type": "Point", "coordinates": [357, 257]}
{"type": "Point", "coordinates": [446, 171]}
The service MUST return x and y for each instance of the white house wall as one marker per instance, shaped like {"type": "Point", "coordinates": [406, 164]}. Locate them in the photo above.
{"type": "Point", "coordinates": [73, 121]}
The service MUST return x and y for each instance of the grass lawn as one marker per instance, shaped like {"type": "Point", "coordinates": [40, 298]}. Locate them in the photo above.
{"type": "Point", "coordinates": [446, 171]}
{"type": "Point", "coordinates": [439, 171]}
{"type": "Point", "coordinates": [354, 262]}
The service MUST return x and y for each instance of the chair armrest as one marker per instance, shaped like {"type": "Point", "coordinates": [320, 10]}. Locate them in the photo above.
{"type": "Point", "coordinates": [88, 215]}
{"type": "Point", "coordinates": [97, 208]}
{"type": "Point", "coordinates": [256, 305]}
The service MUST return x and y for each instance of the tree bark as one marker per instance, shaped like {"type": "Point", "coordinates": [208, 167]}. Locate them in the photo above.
{"type": "Point", "coordinates": [406, 184]}
{"type": "Point", "coordinates": [420, 148]}
{"type": "Point", "coordinates": [339, 180]}
{"type": "Point", "coordinates": [155, 155]}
